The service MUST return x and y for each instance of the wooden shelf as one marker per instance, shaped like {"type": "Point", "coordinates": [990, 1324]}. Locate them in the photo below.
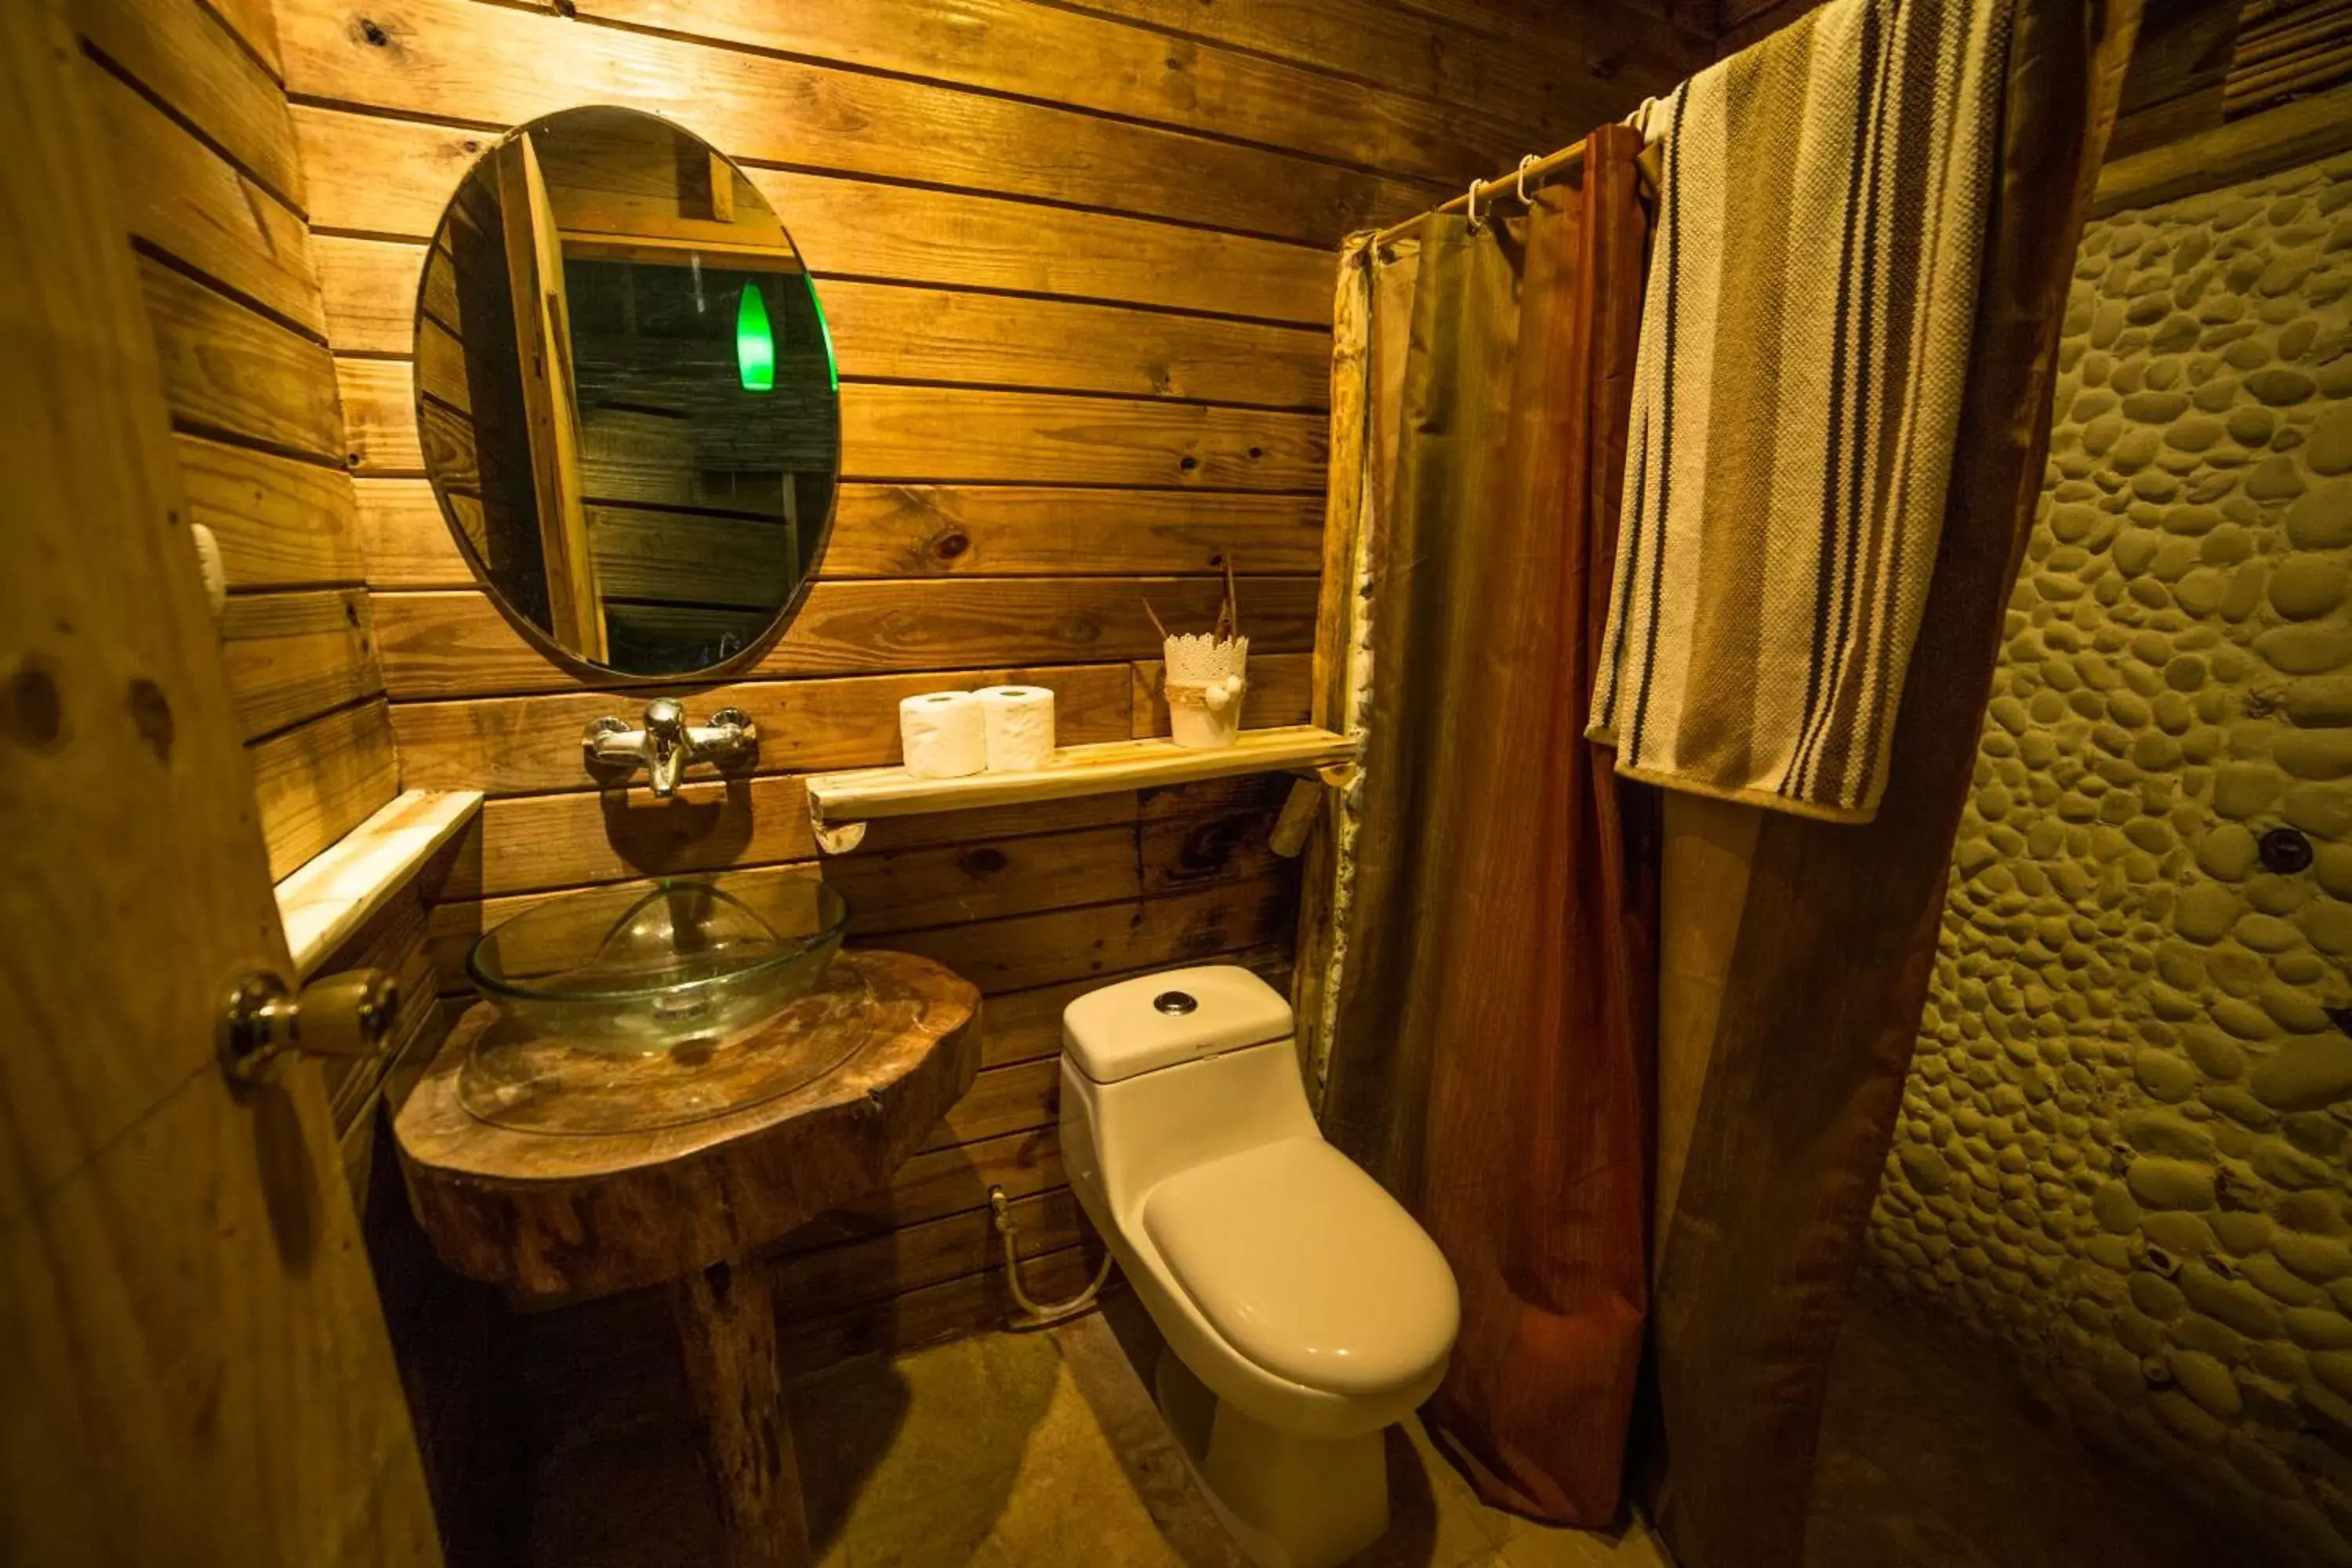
{"type": "Point", "coordinates": [840, 805]}
{"type": "Point", "coordinates": [327, 898]}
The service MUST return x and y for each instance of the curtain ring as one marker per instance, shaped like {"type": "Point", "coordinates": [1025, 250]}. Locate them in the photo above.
{"type": "Point", "coordinates": [1471, 202]}
{"type": "Point", "coordinates": [1519, 185]}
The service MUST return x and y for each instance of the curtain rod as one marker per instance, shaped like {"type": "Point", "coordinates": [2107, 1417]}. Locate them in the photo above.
{"type": "Point", "coordinates": [1487, 190]}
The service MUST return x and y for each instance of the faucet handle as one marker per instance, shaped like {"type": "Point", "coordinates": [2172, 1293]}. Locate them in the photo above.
{"type": "Point", "coordinates": [591, 740]}
{"type": "Point", "coordinates": [729, 736]}
{"type": "Point", "coordinates": [664, 717]}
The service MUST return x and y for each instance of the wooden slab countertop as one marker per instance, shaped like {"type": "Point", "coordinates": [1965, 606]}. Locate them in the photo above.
{"type": "Point", "coordinates": [562, 1214]}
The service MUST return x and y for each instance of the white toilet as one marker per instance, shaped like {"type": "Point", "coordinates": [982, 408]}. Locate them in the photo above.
{"type": "Point", "coordinates": [1291, 1287]}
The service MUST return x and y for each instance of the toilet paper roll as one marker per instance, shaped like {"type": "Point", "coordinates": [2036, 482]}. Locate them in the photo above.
{"type": "Point", "coordinates": [943, 734]}
{"type": "Point", "coordinates": [1020, 724]}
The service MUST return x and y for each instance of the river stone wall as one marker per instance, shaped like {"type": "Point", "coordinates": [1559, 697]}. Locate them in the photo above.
{"type": "Point", "coordinates": [2124, 1141]}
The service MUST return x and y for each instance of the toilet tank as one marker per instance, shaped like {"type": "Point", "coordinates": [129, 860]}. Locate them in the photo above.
{"type": "Point", "coordinates": [1169, 1071]}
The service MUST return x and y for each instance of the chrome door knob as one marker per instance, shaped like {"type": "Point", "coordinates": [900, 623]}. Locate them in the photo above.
{"type": "Point", "coordinates": [349, 1015]}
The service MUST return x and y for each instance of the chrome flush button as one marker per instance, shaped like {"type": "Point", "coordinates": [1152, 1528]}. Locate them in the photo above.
{"type": "Point", "coordinates": [1175, 1003]}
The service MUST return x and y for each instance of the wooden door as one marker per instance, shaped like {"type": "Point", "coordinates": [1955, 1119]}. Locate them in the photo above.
{"type": "Point", "coordinates": [542, 316]}
{"type": "Point", "coordinates": [194, 1368]}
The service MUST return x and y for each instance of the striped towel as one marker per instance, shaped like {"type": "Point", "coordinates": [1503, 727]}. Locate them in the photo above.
{"type": "Point", "coordinates": [1804, 346]}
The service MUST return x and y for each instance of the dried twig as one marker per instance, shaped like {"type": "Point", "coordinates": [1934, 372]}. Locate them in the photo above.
{"type": "Point", "coordinates": [1233, 597]}
{"type": "Point", "coordinates": [1155, 616]}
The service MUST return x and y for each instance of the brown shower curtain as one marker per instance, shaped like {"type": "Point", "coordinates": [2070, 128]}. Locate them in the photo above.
{"type": "Point", "coordinates": [1494, 1053]}
{"type": "Point", "coordinates": [1498, 999]}
{"type": "Point", "coordinates": [1797, 952]}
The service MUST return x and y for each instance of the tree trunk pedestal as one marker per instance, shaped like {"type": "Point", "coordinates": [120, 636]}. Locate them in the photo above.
{"type": "Point", "coordinates": [726, 1320]}
{"type": "Point", "coordinates": [688, 1203]}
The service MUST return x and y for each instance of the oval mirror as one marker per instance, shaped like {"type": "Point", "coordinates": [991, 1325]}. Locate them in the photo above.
{"type": "Point", "coordinates": [625, 394]}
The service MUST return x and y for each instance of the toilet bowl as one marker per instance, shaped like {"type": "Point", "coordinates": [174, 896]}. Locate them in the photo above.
{"type": "Point", "coordinates": [1288, 1284]}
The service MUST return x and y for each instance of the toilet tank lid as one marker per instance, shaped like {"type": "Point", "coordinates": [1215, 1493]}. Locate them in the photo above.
{"type": "Point", "coordinates": [1138, 1024]}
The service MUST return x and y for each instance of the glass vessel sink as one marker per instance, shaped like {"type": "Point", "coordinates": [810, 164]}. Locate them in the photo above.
{"type": "Point", "coordinates": [623, 1009]}
{"type": "Point", "coordinates": [640, 969]}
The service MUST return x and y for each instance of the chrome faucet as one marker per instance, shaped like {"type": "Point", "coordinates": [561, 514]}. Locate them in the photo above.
{"type": "Point", "coordinates": [666, 743]}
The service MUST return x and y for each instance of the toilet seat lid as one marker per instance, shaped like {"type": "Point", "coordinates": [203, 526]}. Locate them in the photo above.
{"type": "Point", "coordinates": [1307, 1266]}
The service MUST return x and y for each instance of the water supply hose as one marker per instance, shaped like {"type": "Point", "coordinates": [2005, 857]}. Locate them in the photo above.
{"type": "Point", "coordinates": [1036, 1314]}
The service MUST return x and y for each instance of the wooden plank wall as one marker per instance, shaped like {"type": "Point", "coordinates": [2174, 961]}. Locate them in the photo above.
{"type": "Point", "coordinates": [211, 183]}
{"type": "Point", "coordinates": [2198, 64]}
{"type": "Point", "coordinates": [2287, 49]}
{"type": "Point", "coordinates": [2202, 63]}
{"type": "Point", "coordinates": [202, 142]}
{"type": "Point", "coordinates": [1077, 261]}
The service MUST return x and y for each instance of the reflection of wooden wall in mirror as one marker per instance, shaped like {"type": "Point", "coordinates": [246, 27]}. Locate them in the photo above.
{"type": "Point", "coordinates": [637, 189]}
{"type": "Point", "coordinates": [629, 483]}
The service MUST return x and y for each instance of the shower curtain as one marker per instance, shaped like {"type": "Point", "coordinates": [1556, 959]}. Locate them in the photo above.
{"type": "Point", "coordinates": [1500, 977]}
{"type": "Point", "coordinates": [1491, 1052]}
{"type": "Point", "coordinates": [1797, 952]}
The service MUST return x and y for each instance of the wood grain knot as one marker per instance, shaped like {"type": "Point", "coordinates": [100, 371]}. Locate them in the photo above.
{"type": "Point", "coordinates": [1208, 848]}
{"type": "Point", "coordinates": [34, 714]}
{"type": "Point", "coordinates": [150, 715]}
